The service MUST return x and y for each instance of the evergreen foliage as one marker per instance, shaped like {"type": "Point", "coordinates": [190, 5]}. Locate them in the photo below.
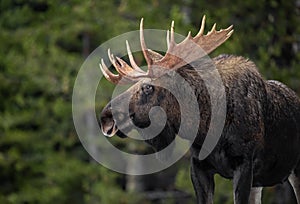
{"type": "Point", "coordinates": [42, 48]}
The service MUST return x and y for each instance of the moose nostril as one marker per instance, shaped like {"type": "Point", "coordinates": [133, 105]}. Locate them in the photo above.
{"type": "Point", "coordinates": [132, 116]}
{"type": "Point", "coordinates": [106, 115]}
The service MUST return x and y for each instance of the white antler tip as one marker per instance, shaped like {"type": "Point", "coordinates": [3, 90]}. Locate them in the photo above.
{"type": "Point", "coordinates": [230, 27]}
{"type": "Point", "coordinates": [203, 19]}
{"type": "Point", "coordinates": [142, 23]}
{"type": "Point", "coordinates": [230, 33]}
{"type": "Point", "coordinates": [201, 31]}
{"type": "Point", "coordinates": [213, 29]}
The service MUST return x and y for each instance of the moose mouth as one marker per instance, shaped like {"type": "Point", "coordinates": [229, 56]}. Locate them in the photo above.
{"type": "Point", "coordinates": [109, 129]}
{"type": "Point", "coordinates": [118, 124]}
{"type": "Point", "coordinates": [112, 130]}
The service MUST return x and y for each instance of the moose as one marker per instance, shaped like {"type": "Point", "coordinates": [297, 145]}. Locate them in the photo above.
{"type": "Point", "coordinates": [259, 144]}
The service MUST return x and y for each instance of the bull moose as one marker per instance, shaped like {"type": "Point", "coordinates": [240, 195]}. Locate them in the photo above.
{"type": "Point", "coordinates": [260, 141]}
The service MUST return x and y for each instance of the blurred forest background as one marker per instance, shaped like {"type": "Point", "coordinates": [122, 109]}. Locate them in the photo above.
{"type": "Point", "coordinates": [42, 46]}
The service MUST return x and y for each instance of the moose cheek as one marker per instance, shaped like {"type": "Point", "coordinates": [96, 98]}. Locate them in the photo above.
{"type": "Point", "coordinates": [141, 121]}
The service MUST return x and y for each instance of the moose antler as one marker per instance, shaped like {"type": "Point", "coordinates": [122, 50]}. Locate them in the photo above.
{"type": "Point", "coordinates": [177, 55]}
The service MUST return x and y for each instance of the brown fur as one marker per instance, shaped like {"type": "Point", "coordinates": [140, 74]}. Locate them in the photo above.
{"type": "Point", "coordinates": [259, 145]}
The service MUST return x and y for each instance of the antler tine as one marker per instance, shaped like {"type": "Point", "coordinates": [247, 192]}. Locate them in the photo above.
{"type": "Point", "coordinates": [131, 59]}
{"type": "Point", "coordinates": [107, 74]}
{"type": "Point", "coordinates": [201, 31]}
{"type": "Point", "coordinates": [231, 31]}
{"type": "Point", "coordinates": [228, 29]}
{"type": "Point", "coordinates": [123, 70]}
{"type": "Point", "coordinates": [172, 41]}
{"type": "Point", "coordinates": [188, 37]}
{"type": "Point", "coordinates": [122, 67]}
{"type": "Point", "coordinates": [143, 45]}
{"type": "Point", "coordinates": [168, 39]}
{"type": "Point", "coordinates": [112, 58]}
{"type": "Point", "coordinates": [213, 29]}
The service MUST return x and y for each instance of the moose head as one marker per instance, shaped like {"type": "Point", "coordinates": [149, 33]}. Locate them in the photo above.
{"type": "Point", "coordinates": [133, 107]}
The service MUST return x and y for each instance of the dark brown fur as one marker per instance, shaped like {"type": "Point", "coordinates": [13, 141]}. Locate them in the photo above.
{"type": "Point", "coordinates": [260, 142]}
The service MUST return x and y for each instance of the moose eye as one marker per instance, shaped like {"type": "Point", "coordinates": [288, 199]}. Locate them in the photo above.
{"type": "Point", "coordinates": [147, 89]}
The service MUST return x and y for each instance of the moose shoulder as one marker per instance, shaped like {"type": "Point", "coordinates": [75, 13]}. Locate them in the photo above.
{"type": "Point", "coordinates": [259, 144]}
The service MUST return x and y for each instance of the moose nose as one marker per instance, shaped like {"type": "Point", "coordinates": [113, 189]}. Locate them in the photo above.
{"type": "Point", "coordinates": [108, 125]}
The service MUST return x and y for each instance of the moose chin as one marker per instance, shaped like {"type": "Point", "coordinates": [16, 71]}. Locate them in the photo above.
{"type": "Point", "coordinates": [259, 144]}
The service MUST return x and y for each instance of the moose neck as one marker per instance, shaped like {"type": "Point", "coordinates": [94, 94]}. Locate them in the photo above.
{"type": "Point", "coordinates": [195, 81]}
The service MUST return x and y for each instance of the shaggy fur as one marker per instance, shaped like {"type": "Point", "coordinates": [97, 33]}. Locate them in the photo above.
{"type": "Point", "coordinates": [259, 145]}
